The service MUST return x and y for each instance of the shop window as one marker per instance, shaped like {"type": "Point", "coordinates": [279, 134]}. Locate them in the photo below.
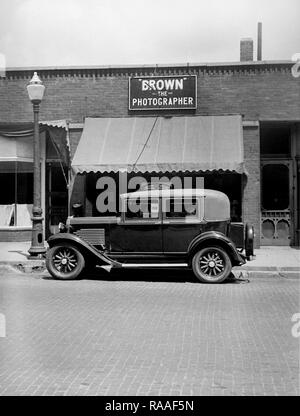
{"type": "Point", "coordinates": [56, 197]}
{"type": "Point", "coordinates": [16, 196]}
{"type": "Point", "coordinates": [275, 187]}
{"type": "Point", "coordinates": [229, 183]}
{"type": "Point", "coordinates": [275, 140]}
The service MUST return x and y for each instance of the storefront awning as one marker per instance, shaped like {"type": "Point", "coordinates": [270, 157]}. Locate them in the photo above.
{"type": "Point", "coordinates": [16, 149]}
{"type": "Point", "coordinates": [161, 144]}
{"type": "Point", "coordinates": [16, 140]}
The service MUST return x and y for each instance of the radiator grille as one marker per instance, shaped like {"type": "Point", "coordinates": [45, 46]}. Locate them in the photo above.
{"type": "Point", "coordinates": [94, 236]}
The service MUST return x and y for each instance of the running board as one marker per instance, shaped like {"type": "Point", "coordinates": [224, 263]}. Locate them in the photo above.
{"type": "Point", "coordinates": [152, 265]}
{"type": "Point", "coordinates": [145, 266]}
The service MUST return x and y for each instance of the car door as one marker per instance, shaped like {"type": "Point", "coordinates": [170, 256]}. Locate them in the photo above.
{"type": "Point", "coordinates": [180, 223]}
{"type": "Point", "coordinates": [139, 232]}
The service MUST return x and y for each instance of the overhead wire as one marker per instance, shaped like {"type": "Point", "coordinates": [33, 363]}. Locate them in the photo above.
{"type": "Point", "coordinates": [145, 144]}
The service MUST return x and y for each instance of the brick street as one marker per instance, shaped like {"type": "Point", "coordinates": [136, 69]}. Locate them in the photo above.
{"type": "Point", "coordinates": [144, 333]}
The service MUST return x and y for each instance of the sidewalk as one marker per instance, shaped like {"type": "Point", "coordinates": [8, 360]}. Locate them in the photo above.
{"type": "Point", "coordinates": [278, 260]}
{"type": "Point", "coordinates": [281, 261]}
{"type": "Point", "coordinates": [14, 256]}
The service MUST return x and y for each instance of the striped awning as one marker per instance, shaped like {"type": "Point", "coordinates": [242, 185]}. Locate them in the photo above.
{"type": "Point", "coordinates": [16, 140]}
{"type": "Point", "coordinates": [161, 144]}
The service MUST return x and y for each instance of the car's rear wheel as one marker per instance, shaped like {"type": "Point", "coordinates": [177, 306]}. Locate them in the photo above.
{"type": "Point", "coordinates": [211, 265]}
{"type": "Point", "coordinates": [64, 262]}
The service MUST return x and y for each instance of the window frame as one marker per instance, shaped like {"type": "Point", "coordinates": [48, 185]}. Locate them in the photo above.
{"type": "Point", "coordinates": [191, 219]}
{"type": "Point", "coordinates": [126, 220]}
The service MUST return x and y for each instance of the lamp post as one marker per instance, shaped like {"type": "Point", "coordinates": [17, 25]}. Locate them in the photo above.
{"type": "Point", "coordinates": [36, 90]}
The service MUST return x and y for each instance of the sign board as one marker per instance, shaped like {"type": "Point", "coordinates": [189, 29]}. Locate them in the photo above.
{"type": "Point", "coordinates": [163, 93]}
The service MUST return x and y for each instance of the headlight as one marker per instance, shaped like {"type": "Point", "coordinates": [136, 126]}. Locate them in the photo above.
{"type": "Point", "coordinates": [62, 228]}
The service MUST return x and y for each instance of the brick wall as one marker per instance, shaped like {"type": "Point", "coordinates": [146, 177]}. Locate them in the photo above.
{"type": "Point", "coordinates": [246, 49]}
{"type": "Point", "coordinates": [258, 91]}
{"type": "Point", "coordinates": [251, 191]}
{"type": "Point", "coordinates": [75, 135]}
{"type": "Point", "coordinates": [15, 235]}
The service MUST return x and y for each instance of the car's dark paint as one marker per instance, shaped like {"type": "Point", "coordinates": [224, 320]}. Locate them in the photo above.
{"type": "Point", "coordinates": [202, 238]}
{"type": "Point", "coordinates": [87, 248]}
{"type": "Point", "coordinates": [118, 253]}
{"type": "Point", "coordinates": [249, 241]}
{"type": "Point", "coordinates": [176, 237]}
{"type": "Point", "coordinates": [236, 234]}
{"type": "Point", "coordinates": [138, 242]}
{"type": "Point", "coordinates": [135, 237]}
{"type": "Point", "coordinates": [215, 238]}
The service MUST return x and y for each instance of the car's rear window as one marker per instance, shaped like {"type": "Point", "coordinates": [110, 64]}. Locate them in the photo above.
{"type": "Point", "coordinates": [180, 207]}
{"type": "Point", "coordinates": [142, 209]}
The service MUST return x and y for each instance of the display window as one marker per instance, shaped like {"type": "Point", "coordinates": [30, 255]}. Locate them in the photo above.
{"type": "Point", "coordinates": [16, 195]}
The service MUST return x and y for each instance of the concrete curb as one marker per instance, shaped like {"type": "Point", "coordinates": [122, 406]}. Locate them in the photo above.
{"type": "Point", "coordinates": [270, 272]}
{"type": "Point", "coordinates": [28, 266]}
{"type": "Point", "coordinates": [38, 266]}
{"type": "Point", "coordinates": [269, 268]}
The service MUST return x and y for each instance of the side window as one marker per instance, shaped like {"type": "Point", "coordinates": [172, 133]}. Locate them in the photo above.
{"type": "Point", "coordinates": [142, 209]}
{"type": "Point", "coordinates": [180, 208]}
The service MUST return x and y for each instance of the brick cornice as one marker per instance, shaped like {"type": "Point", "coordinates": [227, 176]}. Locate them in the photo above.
{"type": "Point", "coordinates": [148, 70]}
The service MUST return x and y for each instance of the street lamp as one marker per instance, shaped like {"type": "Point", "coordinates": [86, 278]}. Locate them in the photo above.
{"type": "Point", "coordinates": [36, 90]}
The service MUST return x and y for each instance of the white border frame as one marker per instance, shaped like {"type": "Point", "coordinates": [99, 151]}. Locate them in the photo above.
{"type": "Point", "coordinates": [163, 108]}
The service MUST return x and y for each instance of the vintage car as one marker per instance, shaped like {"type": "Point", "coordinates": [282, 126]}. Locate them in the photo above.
{"type": "Point", "coordinates": [156, 228]}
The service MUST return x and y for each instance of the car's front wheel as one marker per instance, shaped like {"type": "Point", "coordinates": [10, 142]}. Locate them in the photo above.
{"type": "Point", "coordinates": [211, 265]}
{"type": "Point", "coordinates": [64, 262]}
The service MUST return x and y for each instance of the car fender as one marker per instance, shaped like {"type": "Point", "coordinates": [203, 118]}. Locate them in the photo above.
{"type": "Point", "coordinates": [219, 239]}
{"type": "Point", "coordinates": [83, 246]}
{"type": "Point", "coordinates": [249, 241]}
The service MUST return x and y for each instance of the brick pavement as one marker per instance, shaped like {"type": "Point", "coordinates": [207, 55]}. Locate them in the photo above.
{"type": "Point", "coordinates": [148, 335]}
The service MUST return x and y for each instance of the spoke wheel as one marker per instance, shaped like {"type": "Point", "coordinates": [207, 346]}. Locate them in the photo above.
{"type": "Point", "coordinates": [211, 265]}
{"type": "Point", "coordinates": [64, 262]}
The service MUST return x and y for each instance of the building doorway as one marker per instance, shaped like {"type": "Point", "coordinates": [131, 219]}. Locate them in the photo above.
{"type": "Point", "coordinates": [278, 184]}
{"type": "Point", "coordinates": [276, 212]}
{"type": "Point", "coordinates": [56, 197]}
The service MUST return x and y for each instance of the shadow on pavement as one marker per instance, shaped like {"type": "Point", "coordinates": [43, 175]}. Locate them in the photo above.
{"type": "Point", "coordinates": [19, 252]}
{"type": "Point", "coordinates": [148, 275]}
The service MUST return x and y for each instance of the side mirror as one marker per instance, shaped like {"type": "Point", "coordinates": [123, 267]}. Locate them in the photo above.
{"type": "Point", "coordinates": [77, 210]}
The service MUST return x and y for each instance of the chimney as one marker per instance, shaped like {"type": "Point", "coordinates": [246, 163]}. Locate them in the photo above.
{"type": "Point", "coordinates": [246, 49]}
{"type": "Point", "coordinates": [259, 41]}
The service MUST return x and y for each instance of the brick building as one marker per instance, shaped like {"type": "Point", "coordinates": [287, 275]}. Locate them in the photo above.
{"type": "Point", "coordinates": [262, 96]}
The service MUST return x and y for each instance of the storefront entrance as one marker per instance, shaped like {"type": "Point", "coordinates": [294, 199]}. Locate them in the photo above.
{"type": "Point", "coordinates": [56, 194]}
{"type": "Point", "coordinates": [277, 202]}
{"type": "Point", "coordinates": [56, 197]}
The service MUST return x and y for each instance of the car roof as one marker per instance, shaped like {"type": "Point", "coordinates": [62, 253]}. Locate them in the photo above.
{"type": "Point", "coordinates": [155, 193]}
